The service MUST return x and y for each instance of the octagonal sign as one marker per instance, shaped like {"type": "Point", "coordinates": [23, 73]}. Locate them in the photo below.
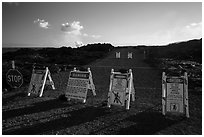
{"type": "Point", "coordinates": [14, 78]}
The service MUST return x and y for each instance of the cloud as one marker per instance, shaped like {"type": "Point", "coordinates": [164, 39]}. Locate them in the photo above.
{"type": "Point", "coordinates": [193, 30]}
{"type": "Point", "coordinates": [42, 23]}
{"type": "Point", "coordinates": [85, 35]}
{"type": "Point", "coordinates": [92, 36]}
{"type": "Point", "coordinates": [96, 36]}
{"type": "Point", "coordinates": [78, 44]}
{"type": "Point", "coordinates": [193, 25]}
{"type": "Point", "coordinates": [73, 28]}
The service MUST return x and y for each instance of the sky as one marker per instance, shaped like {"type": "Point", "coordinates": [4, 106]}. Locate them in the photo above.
{"type": "Point", "coordinates": [56, 24]}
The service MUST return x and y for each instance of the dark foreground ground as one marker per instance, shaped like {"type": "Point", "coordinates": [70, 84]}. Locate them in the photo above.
{"type": "Point", "coordinates": [52, 114]}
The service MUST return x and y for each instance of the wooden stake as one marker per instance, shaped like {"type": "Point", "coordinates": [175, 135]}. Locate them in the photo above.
{"type": "Point", "coordinates": [109, 93]}
{"type": "Point", "coordinates": [186, 94]}
{"type": "Point", "coordinates": [13, 64]}
{"type": "Point", "coordinates": [44, 80]}
{"type": "Point", "coordinates": [163, 93]}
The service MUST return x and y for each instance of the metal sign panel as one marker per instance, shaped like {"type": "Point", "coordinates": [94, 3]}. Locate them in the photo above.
{"type": "Point", "coordinates": [14, 78]}
{"type": "Point", "coordinates": [119, 85]}
{"type": "Point", "coordinates": [121, 89]}
{"type": "Point", "coordinates": [77, 85]}
{"type": "Point", "coordinates": [36, 82]}
{"type": "Point", "coordinates": [175, 97]}
{"type": "Point", "coordinates": [175, 94]}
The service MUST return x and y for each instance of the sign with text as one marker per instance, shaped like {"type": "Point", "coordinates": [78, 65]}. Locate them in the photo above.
{"type": "Point", "coordinates": [79, 75]}
{"type": "Point", "coordinates": [118, 89]}
{"type": "Point", "coordinates": [121, 88]}
{"type": "Point", "coordinates": [78, 84]}
{"type": "Point", "coordinates": [36, 82]}
{"type": "Point", "coordinates": [175, 97]}
{"type": "Point", "coordinates": [175, 94]}
{"type": "Point", "coordinates": [14, 78]}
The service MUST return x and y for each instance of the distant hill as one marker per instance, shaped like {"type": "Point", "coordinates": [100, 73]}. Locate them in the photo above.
{"type": "Point", "coordinates": [187, 50]}
{"type": "Point", "coordinates": [63, 55]}
{"type": "Point", "coordinates": [56, 59]}
{"type": "Point", "coordinates": [4, 50]}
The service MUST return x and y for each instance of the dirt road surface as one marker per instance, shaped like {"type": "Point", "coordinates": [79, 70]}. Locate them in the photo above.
{"type": "Point", "coordinates": [52, 115]}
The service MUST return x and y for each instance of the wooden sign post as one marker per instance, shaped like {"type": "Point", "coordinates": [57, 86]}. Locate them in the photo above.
{"type": "Point", "coordinates": [39, 80]}
{"type": "Point", "coordinates": [175, 94]}
{"type": "Point", "coordinates": [121, 88]}
{"type": "Point", "coordinates": [78, 84]}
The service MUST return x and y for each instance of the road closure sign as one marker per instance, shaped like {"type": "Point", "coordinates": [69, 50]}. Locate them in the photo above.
{"type": "Point", "coordinates": [78, 84]}
{"type": "Point", "coordinates": [14, 78]}
{"type": "Point", "coordinates": [40, 78]}
{"type": "Point", "coordinates": [120, 89]}
{"type": "Point", "coordinates": [36, 82]}
{"type": "Point", "coordinates": [175, 94]}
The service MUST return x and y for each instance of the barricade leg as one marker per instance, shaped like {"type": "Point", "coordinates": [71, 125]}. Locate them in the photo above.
{"type": "Point", "coordinates": [109, 97]}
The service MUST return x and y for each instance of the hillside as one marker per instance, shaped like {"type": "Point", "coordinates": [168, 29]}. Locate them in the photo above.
{"type": "Point", "coordinates": [57, 59]}
{"type": "Point", "coordinates": [189, 50]}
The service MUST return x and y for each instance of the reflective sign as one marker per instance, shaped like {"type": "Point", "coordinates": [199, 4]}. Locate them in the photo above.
{"type": "Point", "coordinates": [36, 82]}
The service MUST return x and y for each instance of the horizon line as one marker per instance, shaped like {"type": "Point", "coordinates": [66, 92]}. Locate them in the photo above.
{"type": "Point", "coordinates": [18, 45]}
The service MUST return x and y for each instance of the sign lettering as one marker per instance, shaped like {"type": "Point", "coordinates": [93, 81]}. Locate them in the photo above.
{"type": "Point", "coordinates": [78, 84]}
{"type": "Point", "coordinates": [14, 78]}
{"type": "Point", "coordinates": [175, 94]}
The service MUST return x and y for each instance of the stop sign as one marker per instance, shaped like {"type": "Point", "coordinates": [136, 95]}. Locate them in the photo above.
{"type": "Point", "coordinates": [14, 78]}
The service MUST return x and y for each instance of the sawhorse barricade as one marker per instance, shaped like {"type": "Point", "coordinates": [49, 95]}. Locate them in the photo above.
{"type": "Point", "coordinates": [78, 84]}
{"type": "Point", "coordinates": [39, 80]}
{"type": "Point", "coordinates": [175, 95]}
{"type": "Point", "coordinates": [129, 55]}
{"type": "Point", "coordinates": [117, 55]}
{"type": "Point", "coordinates": [121, 88]}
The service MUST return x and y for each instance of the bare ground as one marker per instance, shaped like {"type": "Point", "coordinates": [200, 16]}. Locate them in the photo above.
{"type": "Point", "coordinates": [52, 114]}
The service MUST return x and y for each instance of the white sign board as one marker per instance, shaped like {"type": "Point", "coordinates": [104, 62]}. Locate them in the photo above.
{"type": "Point", "coordinates": [175, 95]}
{"type": "Point", "coordinates": [121, 88]}
{"type": "Point", "coordinates": [78, 84]}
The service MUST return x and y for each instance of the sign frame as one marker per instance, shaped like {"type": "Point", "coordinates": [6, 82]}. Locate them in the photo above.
{"type": "Point", "coordinates": [175, 106]}
{"type": "Point", "coordinates": [83, 77]}
{"type": "Point", "coordinates": [127, 91]}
